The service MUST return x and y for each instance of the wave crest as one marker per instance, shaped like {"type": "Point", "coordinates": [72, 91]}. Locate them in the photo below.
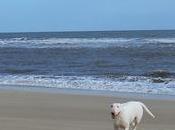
{"type": "Point", "coordinates": [85, 42]}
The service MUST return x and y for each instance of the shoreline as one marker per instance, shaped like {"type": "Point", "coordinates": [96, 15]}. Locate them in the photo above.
{"type": "Point", "coordinates": [82, 92]}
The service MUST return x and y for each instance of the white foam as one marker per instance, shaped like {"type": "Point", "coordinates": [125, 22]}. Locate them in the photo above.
{"type": "Point", "coordinates": [160, 40]}
{"type": "Point", "coordinates": [62, 42]}
{"type": "Point", "coordinates": [82, 42]}
{"type": "Point", "coordinates": [127, 84]}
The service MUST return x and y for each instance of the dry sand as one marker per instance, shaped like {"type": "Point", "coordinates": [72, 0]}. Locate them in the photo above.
{"type": "Point", "coordinates": [47, 111]}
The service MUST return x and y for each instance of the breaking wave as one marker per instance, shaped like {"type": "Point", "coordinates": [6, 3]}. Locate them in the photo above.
{"type": "Point", "coordinates": [136, 84]}
{"type": "Point", "coordinates": [24, 42]}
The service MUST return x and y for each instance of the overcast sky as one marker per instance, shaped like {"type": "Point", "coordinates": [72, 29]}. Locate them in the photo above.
{"type": "Point", "coordinates": [82, 15]}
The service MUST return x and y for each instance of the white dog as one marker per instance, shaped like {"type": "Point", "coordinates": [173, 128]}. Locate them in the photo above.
{"type": "Point", "coordinates": [128, 114]}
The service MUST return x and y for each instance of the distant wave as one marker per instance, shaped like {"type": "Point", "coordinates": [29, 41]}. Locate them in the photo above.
{"type": "Point", "coordinates": [136, 84]}
{"type": "Point", "coordinates": [23, 42]}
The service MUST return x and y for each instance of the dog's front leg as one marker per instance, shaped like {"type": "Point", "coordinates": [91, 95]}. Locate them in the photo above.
{"type": "Point", "coordinates": [126, 128]}
{"type": "Point", "coordinates": [135, 128]}
{"type": "Point", "coordinates": [116, 127]}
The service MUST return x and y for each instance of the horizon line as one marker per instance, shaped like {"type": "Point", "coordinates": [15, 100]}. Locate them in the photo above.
{"type": "Point", "coordinates": [74, 31]}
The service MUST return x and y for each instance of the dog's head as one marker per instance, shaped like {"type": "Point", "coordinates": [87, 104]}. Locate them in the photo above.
{"type": "Point", "coordinates": [115, 110]}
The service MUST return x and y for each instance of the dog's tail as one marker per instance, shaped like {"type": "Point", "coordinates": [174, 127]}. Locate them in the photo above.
{"type": "Point", "coordinates": [147, 110]}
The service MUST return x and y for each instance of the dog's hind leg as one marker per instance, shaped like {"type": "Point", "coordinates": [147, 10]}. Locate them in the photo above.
{"type": "Point", "coordinates": [135, 122]}
{"type": "Point", "coordinates": [135, 127]}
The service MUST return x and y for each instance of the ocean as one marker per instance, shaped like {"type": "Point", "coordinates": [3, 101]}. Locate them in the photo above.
{"type": "Point", "coordinates": [106, 61]}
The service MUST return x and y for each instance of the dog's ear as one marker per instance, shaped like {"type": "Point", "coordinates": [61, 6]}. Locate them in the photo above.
{"type": "Point", "coordinates": [111, 105]}
{"type": "Point", "coordinates": [120, 105]}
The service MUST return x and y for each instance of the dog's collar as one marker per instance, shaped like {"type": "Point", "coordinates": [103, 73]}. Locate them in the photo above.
{"type": "Point", "coordinates": [117, 114]}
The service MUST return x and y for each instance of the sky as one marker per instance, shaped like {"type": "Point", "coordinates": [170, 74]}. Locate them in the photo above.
{"type": "Point", "coordinates": [86, 15]}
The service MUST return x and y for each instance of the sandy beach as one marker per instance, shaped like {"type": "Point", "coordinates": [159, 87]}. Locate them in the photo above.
{"type": "Point", "coordinates": [47, 111]}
